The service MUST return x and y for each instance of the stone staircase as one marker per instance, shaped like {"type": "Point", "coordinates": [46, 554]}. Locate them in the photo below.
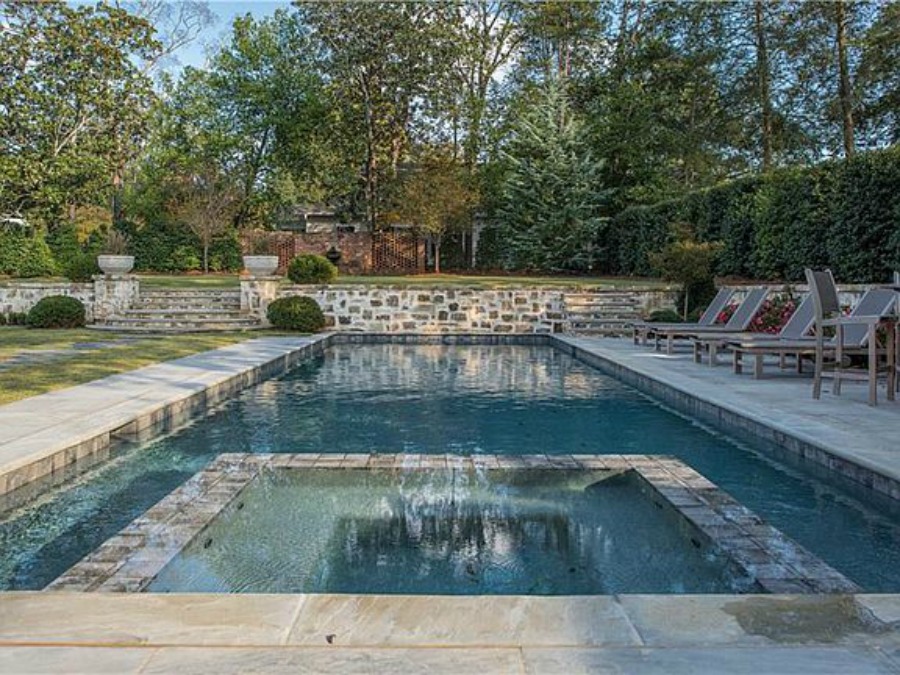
{"type": "Point", "coordinates": [607, 313]}
{"type": "Point", "coordinates": [181, 311]}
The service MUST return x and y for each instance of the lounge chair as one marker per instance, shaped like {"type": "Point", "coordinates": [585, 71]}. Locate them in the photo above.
{"type": "Point", "coordinates": [738, 322]}
{"type": "Point", "coordinates": [854, 334]}
{"type": "Point", "coordinates": [796, 328]}
{"type": "Point", "coordinates": [644, 329]}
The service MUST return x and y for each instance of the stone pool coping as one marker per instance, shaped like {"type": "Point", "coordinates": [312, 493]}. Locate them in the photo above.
{"type": "Point", "coordinates": [130, 560]}
{"type": "Point", "coordinates": [200, 633]}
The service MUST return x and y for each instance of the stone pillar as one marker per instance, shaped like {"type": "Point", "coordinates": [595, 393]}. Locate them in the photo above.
{"type": "Point", "coordinates": [257, 293]}
{"type": "Point", "coordinates": [113, 293]}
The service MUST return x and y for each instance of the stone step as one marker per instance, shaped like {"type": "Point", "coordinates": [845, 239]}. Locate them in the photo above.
{"type": "Point", "coordinates": [167, 330]}
{"type": "Point", "coordinates": [184, 313]}
{"type": "Point", "coordinates": [187, 325]}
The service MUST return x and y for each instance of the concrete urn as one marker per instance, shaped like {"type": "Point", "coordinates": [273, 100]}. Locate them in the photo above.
{"type": "Point", "coordinates": [261, 265]}
{"type": "Point", "coordinates": [115, 264]}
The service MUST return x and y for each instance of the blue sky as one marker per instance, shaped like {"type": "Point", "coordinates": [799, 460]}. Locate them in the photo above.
{"type": "Point", "coordinates": [225, 11]}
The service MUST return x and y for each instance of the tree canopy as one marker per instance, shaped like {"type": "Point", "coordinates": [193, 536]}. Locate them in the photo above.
{"type": "Point", "coordinates": [560, 114]}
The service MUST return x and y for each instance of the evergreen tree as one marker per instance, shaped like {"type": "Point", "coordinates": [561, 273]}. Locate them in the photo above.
{"type": "Point", "coordinates": [549, 216]}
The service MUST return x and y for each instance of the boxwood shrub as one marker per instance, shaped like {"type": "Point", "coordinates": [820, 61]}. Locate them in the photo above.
{"type": "Point", "coordinates": [56, 311]}
{"type": "Point", "coordinates": [309, 268]}
{"type": "Point", "coordinates": [296, 313]}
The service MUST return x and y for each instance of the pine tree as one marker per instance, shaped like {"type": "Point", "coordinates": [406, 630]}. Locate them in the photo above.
{"type": "Point", "coordinates": [549, 217]}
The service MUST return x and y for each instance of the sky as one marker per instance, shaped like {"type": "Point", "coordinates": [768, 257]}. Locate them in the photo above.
{"type": "Point", "coordinates": [225, 11]}
{"type": "Point", "coordinates": [194, 54]}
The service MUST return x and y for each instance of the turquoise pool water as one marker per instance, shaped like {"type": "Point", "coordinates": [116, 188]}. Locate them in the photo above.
{"type": "Point", "coordinates": [463, 399]}
{"type": "Point", "coordinates": [448, 533]}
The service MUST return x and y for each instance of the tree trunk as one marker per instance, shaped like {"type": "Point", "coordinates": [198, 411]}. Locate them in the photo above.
{"type": "Point", "coordinates": [687, 294]}
{"type": "Point", "coordinates": [205, 257]}
{"type": "Point", "coordinates": [437, 255]}
{"type": "Point", "coordinates": [763, 82]}
{"type": "Point", "coordinates": [845, 89]}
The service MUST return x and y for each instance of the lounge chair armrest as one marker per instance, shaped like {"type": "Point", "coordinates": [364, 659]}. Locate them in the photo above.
{"type": "Point", "coordinates": [845, 320]}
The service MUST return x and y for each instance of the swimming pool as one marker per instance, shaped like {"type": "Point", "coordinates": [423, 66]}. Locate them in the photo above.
{"type": "Point", "coordinates": [464, 399]}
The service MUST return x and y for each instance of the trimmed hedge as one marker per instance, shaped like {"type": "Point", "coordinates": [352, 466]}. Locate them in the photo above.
{"type": "Point", "coordinates": [842, 214]}
{"type": "Point", "coordinates": [57, 311]}
{"type": "Point", "coordinates": [310, 268]}
{"type": "Point", "coordinates": [296, 313]}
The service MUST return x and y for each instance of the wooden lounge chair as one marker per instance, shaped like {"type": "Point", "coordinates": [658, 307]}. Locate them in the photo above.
{"type": "Point", "coordinates": [796, 328]}
{"type": "Point", "coordinates": [738, 322]}
{"type": "Point", "coordinates": [644, 329]}
{"type": "Point", "coordinates": [854, 334]}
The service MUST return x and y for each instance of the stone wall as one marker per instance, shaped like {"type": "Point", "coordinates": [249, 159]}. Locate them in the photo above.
{"type": "Point", "coordinates": [21, 296]}
{"type": "Point", "coordinates": [444, 310]}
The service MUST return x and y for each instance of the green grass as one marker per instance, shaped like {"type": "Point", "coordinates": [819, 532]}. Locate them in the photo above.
{"type": "Point", "coordinates": [22, 381]}
{"type": "Point", "coordinates": [487, 282]}
{"type": "Point", "coordinates": [414, 281]}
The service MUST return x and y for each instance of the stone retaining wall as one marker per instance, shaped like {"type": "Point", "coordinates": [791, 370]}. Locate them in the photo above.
{"type": "Point", "coordinates": [21, 296]}
{"type": "Point", "coordinates": [445, 310]}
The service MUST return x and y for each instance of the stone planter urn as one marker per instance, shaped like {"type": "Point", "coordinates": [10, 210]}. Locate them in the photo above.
{"type": "Point", "coordinates": [115, 264]}
{"type": "Point", "coordinates": [261, 265]}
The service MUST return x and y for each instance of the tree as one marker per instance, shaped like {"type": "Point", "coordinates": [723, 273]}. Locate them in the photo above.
{"type": "Point", "coordinates": [437, 197]}
{"type": "Point", "coordinates": [73, 102]}
{"type": "Point", "coordinates": [206, 204]}
{"type": "Point", "coordinates": [382, 60]}
{"type": "Point", "coordinates": [686, 261]}
{"type": "Point", "coordinates": [550, 212]}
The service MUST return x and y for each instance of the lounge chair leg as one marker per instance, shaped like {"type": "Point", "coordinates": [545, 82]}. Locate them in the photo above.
{"type": "Point", "coordinates": [799, 364]}
{"type": "Point", "coordinates": [873, 367]}
{"type": "Point", "coordinates": [656, 341]}
{"type": "Point", "coordinates": [669, 345]}
{"type": "Point", "coordinates": [758, 367]}
{"type": "Point", "coordinates": [820, 363]}
{"type": "Point", "coordinates": [713, 354]}
{"type": "Point", "coordinates": [738, 367]}
{"type": "Point", "coordinates": [698, 348]}
{"type": "Point", "coordinates": [782, 363]}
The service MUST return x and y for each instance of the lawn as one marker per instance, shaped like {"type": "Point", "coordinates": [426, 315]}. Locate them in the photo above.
{"type": "Point", "coordinates": [419, 280]}
{"type": "Point", "coordinates": [84, 365]}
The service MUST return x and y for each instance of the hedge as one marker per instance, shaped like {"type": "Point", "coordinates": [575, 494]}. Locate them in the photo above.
{"type": "Point", "coordinates": [25, 254]}
{"type": "Point", "coordinates": [841, 214]}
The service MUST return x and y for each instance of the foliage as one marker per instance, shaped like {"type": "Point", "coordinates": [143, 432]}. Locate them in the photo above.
{"type": "Point", "coordinates": [438, 197]}
{"type": "Point", "coordinates": [74, 101]}
{"type": "Point", "coordinates": [841, 215]}
{"type": "Point", "coordinates": [550, 211]}
{"type": "Point", "coordinates": [665, 316]}
{"type": "Point", "coordinates": [686, 260]}
{"type": "Point", "coordinates": [56, 311]}
{"type": "Point", "coordinates": [81, 267]}
{"type": "Point", "coordinates": [310, 268]}
{"type": "Point", "coordinates": [774, 313]}
{"type": "Point", "coordinates": [25, 254]}
{"type": "Point", "coordinates": [115, 243]}
{"type": "Point", "coordinates": [296, 313]}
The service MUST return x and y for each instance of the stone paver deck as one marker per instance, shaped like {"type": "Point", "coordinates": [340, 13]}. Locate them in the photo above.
{"type": "Point", "coordinates": [198, 633]}
{"type": "Point", "coordinates": [844, 426]}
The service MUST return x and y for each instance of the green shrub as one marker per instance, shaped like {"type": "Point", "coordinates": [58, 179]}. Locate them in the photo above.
{"type": "Point", "coordinates": [57, 311]}
{"type": "Point", "coordinates": [17, 318]}
{"type": "Point", "coordinates": [664, 316]}
{"type": "Point", "coordinates": [82, 267]}
{"type": "Point", "coordinates": [25, 254]}
{"type": "Point", "coordinates": [296, 313]}
{"type": "Point", "coordinates": [2, 319]}
{"type": "Point", "coordinates": [311, 269]}
{"type": "Point", "coordinates": [841, 214]}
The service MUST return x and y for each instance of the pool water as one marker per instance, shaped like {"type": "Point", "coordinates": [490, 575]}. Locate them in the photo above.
{"type": "Point", "coordinates": [441, 532]}
{"type": "Point", "coordinates": [462, 399]}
